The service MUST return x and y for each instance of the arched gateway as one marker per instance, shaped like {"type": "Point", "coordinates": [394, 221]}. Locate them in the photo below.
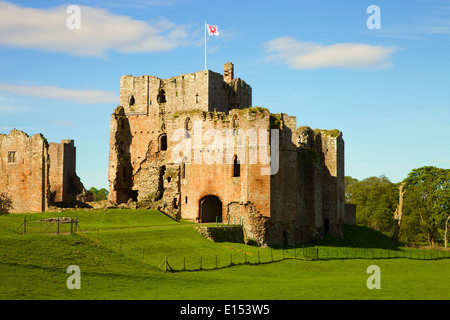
{"type": "Point", "coordinates": [210, 209]}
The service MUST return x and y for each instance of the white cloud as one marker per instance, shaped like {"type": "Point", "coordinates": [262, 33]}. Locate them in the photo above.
{"type": "Point", "coordinates": [309, 55]}
{"type": "Point", "coordinates": [101, 31]}
{"type": "Point", "coordinates": [53, 92]}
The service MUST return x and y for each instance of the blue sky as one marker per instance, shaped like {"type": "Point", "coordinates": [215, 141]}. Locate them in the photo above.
{"type": "Point", "coordinates": [387, 89]}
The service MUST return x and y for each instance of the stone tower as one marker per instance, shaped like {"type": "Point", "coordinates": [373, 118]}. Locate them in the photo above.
{"type": "Point", "coordinates": [283, 183]}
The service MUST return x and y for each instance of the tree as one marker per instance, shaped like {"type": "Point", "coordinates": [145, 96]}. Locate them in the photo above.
{"type": "Point", "coordinates": [98, 195]}
{"type": "Point", "coordinates": [5, 203]}
{"type": "Point", "coordinates": [375, 199]}
{"type": "Point", "coordinates": [398, 214]}
{"type": "Point", "coordinates": [428, 202]}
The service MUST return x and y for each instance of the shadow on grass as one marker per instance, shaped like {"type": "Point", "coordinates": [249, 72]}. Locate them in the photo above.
{"type": "Point", "coordinates": [360, 237]}
{"type": "Point", "coordinates": [354, 237]}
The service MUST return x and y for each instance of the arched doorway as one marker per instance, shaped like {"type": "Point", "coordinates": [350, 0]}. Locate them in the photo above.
{"type": "Point", "coordinates": [210, 209]}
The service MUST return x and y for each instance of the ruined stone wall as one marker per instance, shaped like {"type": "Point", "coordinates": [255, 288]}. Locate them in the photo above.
{"type": "Point", "coordinates": [210, 170]}
{"type": "Point", "coordinates": [321, 183]}
{"type": "Point", "coordinates": [24, 174]}
{"type": "Point", "coordinates": [310, 163]}
{"type": "Point", "coordinates": [203, 90]}
{"type": "Point", "coordinates": [65, 185]}
{"type": "Point", "coordinates": [284, 184]}
{"type": "Point", "coordinates": [333, 181]}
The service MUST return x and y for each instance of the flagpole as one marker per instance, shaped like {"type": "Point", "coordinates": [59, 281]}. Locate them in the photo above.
{"type": "Point", "coordinates": [205, 45]}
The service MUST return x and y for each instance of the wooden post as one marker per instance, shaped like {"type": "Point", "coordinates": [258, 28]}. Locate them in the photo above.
{"type": "Point", "coordinates": [25, 226]}
{"type": "Point", "coordinates": [71, 226]}
{"type": "Point", "coordinates": [57, 227]}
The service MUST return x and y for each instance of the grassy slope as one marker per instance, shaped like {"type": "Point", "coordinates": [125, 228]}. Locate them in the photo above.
{"type": "Point", "coordinates": [33, 266]}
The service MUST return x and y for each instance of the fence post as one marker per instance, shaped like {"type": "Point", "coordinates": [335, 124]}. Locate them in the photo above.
{"type": "Point", "coordinates": [25, 226]}
{"type": "Point", "coordinates": [57, 228]}
{"type": "Point", "coordinates": [71, 226]}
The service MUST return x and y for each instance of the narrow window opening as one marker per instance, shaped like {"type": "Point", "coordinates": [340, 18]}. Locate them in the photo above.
{"type": "Point", "coordinates": [185, 200]}
{"type": "Point", "coordinates": [196, 98]}
{"type": "Point", "coordinates": [163, 142]}
{"type": "Point", "coordinates": [235, 123]}
{"type": "Point", "coordinates": [161, 96]}
{"type": "Point", "coordinates": [12, 157]}
{"type": "Point", "coordinates": [326, 225]}
{"type": "Point", "coordinates": [183, 169]}
{"type": "Point", "coordinates": [236, 167]}
{"type": "Point", "coordinates": [285, 237]}
{"type": "Point", "coordinates": [132, 101]}
{"type": "Point", "coordinates": [187, 127]}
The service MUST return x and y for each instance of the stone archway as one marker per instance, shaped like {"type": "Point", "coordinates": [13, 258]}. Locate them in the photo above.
{"type": "Point", "coordinates": [210, 208]}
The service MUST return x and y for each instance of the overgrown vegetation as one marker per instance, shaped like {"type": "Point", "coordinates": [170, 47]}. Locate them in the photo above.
{"type": "Point", "coordinates": [5, 203]}
{"type": "Point", "coordinates": [426, 204]}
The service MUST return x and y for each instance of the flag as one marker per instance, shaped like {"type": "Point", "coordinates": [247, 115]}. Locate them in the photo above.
{"type": "Point", "coordinates": [212, 30]}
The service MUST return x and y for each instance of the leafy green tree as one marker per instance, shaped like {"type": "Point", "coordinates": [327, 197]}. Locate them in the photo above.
{"type": "Point", "coordinates": [98, 195]}
{"type": "Point", "coordinates": [427, 204]}
{"type": "Point", "coordinates": [376, 199]}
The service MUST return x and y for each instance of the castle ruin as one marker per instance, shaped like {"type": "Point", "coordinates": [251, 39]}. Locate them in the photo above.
{"type": "Point", "coordinates": [36, 174]}
{"type": "Point", "coordinates": [292, 193]}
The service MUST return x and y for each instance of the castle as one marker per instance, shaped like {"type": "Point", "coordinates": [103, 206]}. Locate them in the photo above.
{"type": "Point", "coordinates": [36, 174]}
{"type": "Point", "coordinates": [192, 146]}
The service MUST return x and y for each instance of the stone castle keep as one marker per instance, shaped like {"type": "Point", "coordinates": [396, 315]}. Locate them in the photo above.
{"type": "Point", "coordinates": [36, 174]}
{"type": "Point", "coordinates": [303, 199]}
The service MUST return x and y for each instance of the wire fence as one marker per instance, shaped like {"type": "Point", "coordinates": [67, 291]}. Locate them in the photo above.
{"type": "Point", "coordinates": [253, 256]}
{"type": "Point", "coordinates": [264, 256]}
{"type": "Point", "coordinates": [57, 226]}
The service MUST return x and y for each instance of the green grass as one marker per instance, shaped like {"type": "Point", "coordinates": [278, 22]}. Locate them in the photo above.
{"type": "Point", "coordinates": [119, 253]}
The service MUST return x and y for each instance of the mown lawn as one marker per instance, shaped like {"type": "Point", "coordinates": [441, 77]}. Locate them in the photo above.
{"type": "Point", "coordinates": [119, 253]}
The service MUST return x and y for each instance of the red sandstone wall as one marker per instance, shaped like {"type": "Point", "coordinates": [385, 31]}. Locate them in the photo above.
{"type": "Point", "coordinates": [25, 180]}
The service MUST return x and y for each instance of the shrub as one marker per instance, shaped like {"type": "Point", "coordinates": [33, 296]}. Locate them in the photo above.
{"type": "Point", "coordinates": [5, 203]}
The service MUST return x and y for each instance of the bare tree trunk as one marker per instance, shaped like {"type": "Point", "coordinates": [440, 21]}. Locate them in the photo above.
{"type": "Point", "coordinates": [398, 214]}
{"type": "Point", "coordinates": [445, 233]}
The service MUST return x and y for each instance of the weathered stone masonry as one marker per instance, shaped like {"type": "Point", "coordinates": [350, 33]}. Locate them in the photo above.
{"type": "Point", "coordinates": [37, 174]}
{"type": "Point", "coordinates": [304, 199]}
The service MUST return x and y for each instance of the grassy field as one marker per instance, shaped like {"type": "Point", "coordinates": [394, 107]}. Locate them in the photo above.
{"type": "Point", "coordinates": [119, 253]}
